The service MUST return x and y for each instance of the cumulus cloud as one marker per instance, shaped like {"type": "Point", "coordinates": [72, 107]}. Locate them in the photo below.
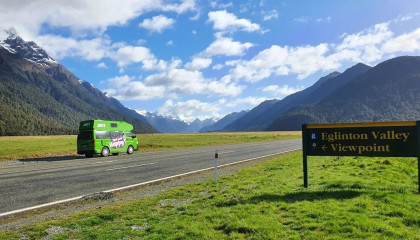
{"type": "Point", "coordinates": [81, 16]}
{"type": "Point", "coordinates": [281, 61]}
{"type": "Point", "coordinates": [89, 49]}
{"type": "Point", "coordinates": [270, 15]}
{"type": "Point", "coordinates": [102, 65]}
{"type": "Point", "coordinates": [302, 19]}
{"type": "Point", "coordinates": [367, 46]}
{"type": "Point", "coordinates": [182, 81]}
{"type": "Point", "coordinates": [224, 46]}
{"type": "Point", "coordinates": [190, 110]}
{"type": "Point", "coordinates": [157, 23]}
{"type": "Point", "coordinates": [128, 54]}
{"type": "Point", "coordinates": [284, 90]}
{"type": "Point", "coordinates": [127, 88]}
{"type": "Point", "coordinates": [198, 63]}
{"type": "Point", "coordinates": [409, 42]}
{"type": "Point", "coordinates": [247, 102]}
{"type": "Point", "coordinates": [367, 42]}
{"type": "Point", "coordinates": [225, 21]}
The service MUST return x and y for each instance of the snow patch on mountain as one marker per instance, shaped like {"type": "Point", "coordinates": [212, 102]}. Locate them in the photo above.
{"type": "Point", "coordinates": [11, 41]}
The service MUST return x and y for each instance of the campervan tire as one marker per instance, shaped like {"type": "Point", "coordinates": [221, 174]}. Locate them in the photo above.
{"type": "Point", "coordinates": [130, 149]}
{"type": "Point", "coordinates": [105, 152]}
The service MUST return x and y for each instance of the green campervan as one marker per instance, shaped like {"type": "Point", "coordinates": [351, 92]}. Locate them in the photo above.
{"type": "Point", "coordinates": [105, 137]}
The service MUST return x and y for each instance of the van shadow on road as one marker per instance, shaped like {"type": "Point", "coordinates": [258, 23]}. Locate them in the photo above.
{"type": "Point", "coordinates": [52, 158]}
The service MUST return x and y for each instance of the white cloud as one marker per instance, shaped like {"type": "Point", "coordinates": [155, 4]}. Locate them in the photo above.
{"type": "Point", "coordinates": [224, 46]}
{"type": "Point", "coordinates": [270, 15]}
{"type": "Point", "coordinates": [125, 88]}
{"type": "Point", "coordinates": [128, 54]}
{"type": "Point", "coordinates": [248, 102]}
{"type": "Point", "coordinates": [216, 4]}
{"type": "Point", "coordinates": [224, 21]}
{"type": "Point", "coordinates": [190, 109]}
{"type": "Point", "coordinates": [284, 61]}
{"type": "Point", "coordinates": [157, 23]}
{"type": "Point", "coordinates": [327, 19]}
{"type": "Point", "coordinates": [102, 65]}
{"type": "Point", "coordinates": [59, 47]}
{"type": "Point", "coordinates": [409, 42]}
{"type": "Point", "coordinates": [182, 81]}
{"type": "Point", "coordinates": [93, 16]}
{"type": "Point", "coordinates": [119, 81]}
{"type": "Point", "coordinates": [301, 19]}
{"type": "Point", "coordinates": [367, 46]}
{"type": "Point", "coordinates": [198, 64]}
{"type": "Point", "coordinates": [218, 66]}
{"type": "Point", "coordinates": [367, 42]}
{"type": "Point", "coordinates": [284, 90]}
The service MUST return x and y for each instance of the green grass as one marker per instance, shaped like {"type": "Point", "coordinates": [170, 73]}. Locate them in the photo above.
{"type": "Point", "coordinates": [154, 142]}
{"type": "Point", "coordinates": [45, 146]}
{"type": "Point", "coordinates": [36, 146]}
{"type": "Point", "coordinates": [348, 198]}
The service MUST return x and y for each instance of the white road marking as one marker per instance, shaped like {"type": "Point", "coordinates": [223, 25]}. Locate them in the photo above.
{"type": "Point", "coordinates": [104, 162]}
{"type": "Point", "coordinates": [138, 185]}
{"type": "Point", "coordinates": [140, 165]}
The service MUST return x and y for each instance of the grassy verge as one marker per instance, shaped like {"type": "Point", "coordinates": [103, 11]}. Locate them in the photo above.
{"type": "Point", "coordinates": [46, 146]}
{"type": "Point", "coordinates": [348, 198]}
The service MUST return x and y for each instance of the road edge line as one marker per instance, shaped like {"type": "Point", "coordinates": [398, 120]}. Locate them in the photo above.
{"type": "Point", "coordinates": [143, 184]}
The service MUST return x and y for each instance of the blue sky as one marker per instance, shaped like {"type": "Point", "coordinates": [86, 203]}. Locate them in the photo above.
{"type": "Point", "coordinates": [193, 58]}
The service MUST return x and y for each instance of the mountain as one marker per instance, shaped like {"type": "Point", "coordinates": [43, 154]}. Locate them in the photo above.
{"type": "Point", "coordinates": [38, 96]}
{"type": "Point", "coordinates": [171, 125]}
{"type": "Point", "coordinates": [222, 123]}
{"type": "Point", "coordinates": [390, 91]}
{"type": "Point", "coordinates": [264, 114]}
{"type": "Point", "coordinates": [246, 122]}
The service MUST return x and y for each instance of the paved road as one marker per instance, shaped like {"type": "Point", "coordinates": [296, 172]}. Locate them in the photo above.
{"type": "Point", "coordinates": [38, 183]}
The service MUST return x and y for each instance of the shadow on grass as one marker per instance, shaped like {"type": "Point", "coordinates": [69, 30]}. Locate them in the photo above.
{"type": "Point", "coordinates": [296, 197]}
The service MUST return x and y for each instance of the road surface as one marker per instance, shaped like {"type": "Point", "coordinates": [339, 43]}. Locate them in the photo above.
{"type": "Point", "coordinates": [43, 182]}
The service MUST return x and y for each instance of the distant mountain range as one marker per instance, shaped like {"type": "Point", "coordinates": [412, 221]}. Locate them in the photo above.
{"type": "Point", "coordinates": [224, 122]}
{"type": "Point", "coordinates": [389, 91]}
{"type": "Point", "coordinates": [171, 125]}
{"type": "Point", "coordinates": [39, 96]}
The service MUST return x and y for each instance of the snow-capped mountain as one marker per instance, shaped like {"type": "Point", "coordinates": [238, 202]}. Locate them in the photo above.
{"type": "Point", "coordinates": [28, 50]}
{"type": "Point", "coordinates": [168, 124]}
{"type": "Point", "coordinates": [39, 96]}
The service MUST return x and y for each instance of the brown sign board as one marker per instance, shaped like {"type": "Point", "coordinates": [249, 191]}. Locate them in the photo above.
{"type": "Point", "coordinates": [381, 139]}
{"type": "Point", "coordinates": [392, 139]}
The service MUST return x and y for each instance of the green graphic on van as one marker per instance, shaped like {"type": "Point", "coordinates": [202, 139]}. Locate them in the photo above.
{"type": "Point", "coordinates": [105, 137]}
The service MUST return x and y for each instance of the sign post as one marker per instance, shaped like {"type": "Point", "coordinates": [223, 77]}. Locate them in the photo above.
{"type": "Point", "coordinates": [216, 156]}
{"type": "Point", "coordinates": [305, 157]}
{"type": "Point", "coordinates": [382, 139]}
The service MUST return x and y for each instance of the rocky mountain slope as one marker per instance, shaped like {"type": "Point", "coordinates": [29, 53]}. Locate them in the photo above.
{"type": "Point", "coordinates": [38, 96]}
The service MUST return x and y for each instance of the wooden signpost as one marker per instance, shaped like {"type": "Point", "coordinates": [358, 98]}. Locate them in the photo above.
{"type": "Point", "coordinates": [381, 139]}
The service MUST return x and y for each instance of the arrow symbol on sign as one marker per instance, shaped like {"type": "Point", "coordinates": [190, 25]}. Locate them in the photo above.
{"type": "Point", "coordinates": [324, 147]}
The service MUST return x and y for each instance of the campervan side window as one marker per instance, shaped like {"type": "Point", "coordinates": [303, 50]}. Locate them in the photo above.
{"type": "Point", "coordinates": [130, 134]}
{"type": "Point", "coordinates": [103, 135]}
{"type": "Point", "coordinates": [114, 125]}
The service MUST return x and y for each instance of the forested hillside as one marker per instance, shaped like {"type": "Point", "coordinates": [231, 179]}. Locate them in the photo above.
{"type": "Point", "coordinates": [38, 96]}
{"type": "Point", "coordinates": [388, 92]}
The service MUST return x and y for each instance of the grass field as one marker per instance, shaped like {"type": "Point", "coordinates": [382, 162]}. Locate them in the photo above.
{"type": "Point", "coordinates": [348, 198]}
{"type": "Point", "coordinates": [46, 146]}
